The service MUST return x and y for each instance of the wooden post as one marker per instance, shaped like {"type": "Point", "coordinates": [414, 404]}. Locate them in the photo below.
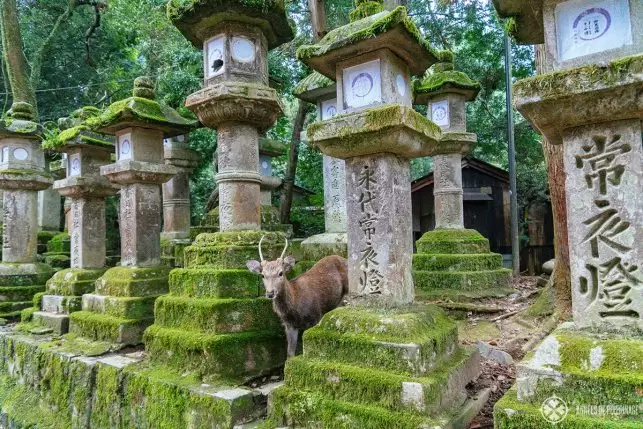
{"type": "Point", "coordinates": [318, 18]}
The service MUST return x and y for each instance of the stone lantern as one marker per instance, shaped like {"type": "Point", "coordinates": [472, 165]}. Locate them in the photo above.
{"type": "Point", "coordinates": [380, 335]}
{"type": "Point", "coordinates": [590, 103]}
{"type": "Point", "coordinates": [176, 200]}
{"type": "Point", "coordinates": [453, 262]}
{"type": "Point", "coordinates": [270, 219]}
{"type": "Point", "coordinates": [86, 190]}
{"type": "Point", "coordinates": [122, 304]}
{"type": "Point", "coordinates": [22, 175]}
{"type": "Point", "coordinates": [319, 90]}
{"type": "Point", "coordinates": [236, 335]}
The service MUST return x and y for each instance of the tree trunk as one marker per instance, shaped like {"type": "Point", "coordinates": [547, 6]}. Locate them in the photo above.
{"type": "Point", "coordinates": [291, 169]}
{"type": "Point", "coordinates": [13, 53]}
{"type": "Point", "coordinates": [561, 277]}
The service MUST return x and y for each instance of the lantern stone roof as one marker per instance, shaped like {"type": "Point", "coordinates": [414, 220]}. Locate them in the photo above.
{"type": "Point", "coordinates": [141, 110]}
{"type": "Point", "coordinates": [392, 30]}
{"type": "Point", "coordinates": [442, 79]}
{"type": "Point", "coordinates": [195, 18]}
{"type": "Point", "coordinates": [19, 122]}
{"type": "Point", "coordinates": [75, 132]}
{"type": "Point", "coordinates": [524, 20]}
{"type": "Point", "coordinates": [315, 87]}
{"type": "Point", "coordinates": [271, 147]}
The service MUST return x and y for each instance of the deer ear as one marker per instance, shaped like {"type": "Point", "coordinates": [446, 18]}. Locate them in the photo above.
{"type": "Point", "coordinates": [254, 266]}
{"type": "Point", "coordinates": [289, 263]}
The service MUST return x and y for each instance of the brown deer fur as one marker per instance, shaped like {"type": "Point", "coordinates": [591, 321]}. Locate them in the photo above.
{"type": "Point", "coordinates": [300, 303]}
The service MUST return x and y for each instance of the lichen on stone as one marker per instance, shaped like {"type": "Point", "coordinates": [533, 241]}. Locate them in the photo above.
{"type": "Point", "coordinates": [312, 82]}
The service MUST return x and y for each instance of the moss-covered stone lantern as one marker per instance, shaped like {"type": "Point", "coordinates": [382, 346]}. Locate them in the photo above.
{"type": "Point", "coordinates": [319, 90]}
{"type": "Point", "coordinates": [215, 323]}
{"type": "Point", "coordinates": [590, 103]}
{"type": "Point", "coordinates": [122, 304]}
{"type": "Point", "coordinates": [380, 337]}
{"type": "Point", "coordinates": [453, 262]}
{"type": "Point", "coordinates": [22, 175]}
{"type": "Point", "coordinates": [86, 190]}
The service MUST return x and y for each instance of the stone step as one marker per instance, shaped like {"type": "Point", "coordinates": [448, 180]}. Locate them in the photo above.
{"type": "Point", "coordinates": [58, 304]}
{"type": "Point", "coordinates": [10, 307]}
{"type": "Point", "coordinates": [444, 387]}
{"type": "Point", "coordinates": [74, 282]}
{"type": "Point", "coordinates": [223, 256]}
{"type": "Point", "coordinates": [237, 356]}
{"type": "Point", "coordinates": [27, 279]}
{"type": "Point", "coordinates": [511, 413]}
{"type": "Point", "coordinates": [464, 262]}
{"type": "Point", "coordinates": [452, 241]}
{"type": "Point", "coordinates": [292, 408]}
{"type": "Point", "coordinates": [121, 307]}
{"type": "Point", "coordinates": [58, 323]}
{"type": "Point", "coordinates": [131, 281]}
{"type": "Point", "coordinates": [19, 293]}
{"type": "Point", "coordinates": [479, 280]}
{"type": "Point", "coordinates": [213, 283]}
{"type": "Point", "coordinates": [103, 327]}
{"type": "Point", "coordinates": [216, 316]}
{"type": "Point", "coordinates": [410, 344]}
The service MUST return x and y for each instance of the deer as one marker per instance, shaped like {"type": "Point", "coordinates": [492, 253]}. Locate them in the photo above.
{"type": "Point", "coordinates": [300, 303]}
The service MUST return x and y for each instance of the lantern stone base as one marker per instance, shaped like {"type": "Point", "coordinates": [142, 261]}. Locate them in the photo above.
{"type": "Point", "coordinates": [598, 376]}
{"type": "Point", "coordinates": [45, 384]}
{"type": "Point", "coordinates": [18, 285]}
{"type": "Point", "coordinates": [377, 369]}
{"type": "Point", "coordinates": [172, 251]}
{"type": "Point", "coordinates": [44, 237]}
{"type": "Point", "coordinates": [213, 323]}
{"type": "Point", "coordinates": [457, 264]}
{"type": "Point", "coordinates": [58, 251]}
{"type": "Point", "coordinates": [122, 305]}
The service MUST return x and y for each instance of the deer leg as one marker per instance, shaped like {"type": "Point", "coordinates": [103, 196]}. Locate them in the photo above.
{"type": "Point", "coordinates": [292, 336]}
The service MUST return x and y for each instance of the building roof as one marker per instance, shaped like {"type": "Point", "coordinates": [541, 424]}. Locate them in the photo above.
{"type": "Point", "coordinates": [467, 162]}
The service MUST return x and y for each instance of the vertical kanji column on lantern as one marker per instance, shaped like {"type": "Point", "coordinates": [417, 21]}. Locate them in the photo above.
{"type": "Point", "coordinates": [319, 90]}
{"type": "Point", "coordinates": [453, 262]}
{"type": "Point", "coordinates": [122, 305]}
{"type": "Point", "coordinates": [86, 190]}
{"type": "Point", "coordinates": [378, 335]}
{"type": "Point", "coordinates": [590, 104]}
{"type": "Point", "coordinates": [22, 175]}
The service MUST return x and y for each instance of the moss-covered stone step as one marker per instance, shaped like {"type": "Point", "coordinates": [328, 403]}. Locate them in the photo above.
{"type": "Point", "coordinates": [58, 323]}
{"type": "Point", "coordinates": [24, 274]}
{"type": "Point", "coordinates": [464, 262]}
{"type": "Point", "coordinates": [121, 307]}
{"type": "Point", "coordinates": [479, 280]}
{"type": "Point", "coordinates": [59, 243]}
{"type": "Point", "coordinates": [59, 304]}
{"type": "Point", "coordinates": [58, 261]}
{"type": "Point", "coordinates": [509, 413]}
{"type": "Point", "coordinates": [74, 281]}
{"type": "Point", "coordinates": [407, 342]}
{"type": "Point", "coordinates": [453, 241]}
{"type": "Point", "coordinates": [132, 281]}
{"type": "Point", "coordinates": [213, 283]}
{"type": "Point", "coordinates": [442, 388]}
{"type": "Point", "coordinates": [10, 307]}
{"type": "Point", "coordinates": [19, 293]}
{"type": "Point", "coordinates": [231, 356]}
{"type": "Point", "coordinates": [571, 363]}
{"type": "Point", "coordinates": [293, 408]}
{"type": "Point", "coordinates": [103, 327]}
{"type": "Point", "coordinates": [455, 295]}
{"type": "Point", "coordinates": [216, 316]}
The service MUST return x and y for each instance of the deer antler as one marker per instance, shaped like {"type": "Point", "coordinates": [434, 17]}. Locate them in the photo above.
{"type": "Point", "coordinates": [284, 252]}
{"type": "Point", "coordinates": [260, 254]}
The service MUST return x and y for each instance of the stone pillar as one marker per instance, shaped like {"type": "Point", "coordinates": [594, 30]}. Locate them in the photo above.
{"type": "Point", "coordinates": [453, 262]}
{"type": "Point", "coordinates": [378, 334]}
{"type": "Point", "coordinates": [22, 175]}
{"type": "Point", "coordinates": [122, 304]}
{"type": "Point", "coordinates": [85, 190]}
{"type": "Point", "coordinates": [590, 104]}
{"type": "Point", "coordinates": [49, 205]}
{"type": "Point", "coordinates": [237, 335]}
{"type": "Point", "coordinates": [322, 91]}
{"type": "Point", "coordinates": [270, 218]}
{"type": "Point", "coordinates": [176, 201]}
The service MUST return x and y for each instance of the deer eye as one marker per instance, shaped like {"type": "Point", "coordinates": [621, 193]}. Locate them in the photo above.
{"type": "Point", "coordinates": [281, 274]}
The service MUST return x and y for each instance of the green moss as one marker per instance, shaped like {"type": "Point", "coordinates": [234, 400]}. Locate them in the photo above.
{"type": "Point", "coordinates": [544, 304]}
{"type": "Point", "coordinates": [464, 262]}
{"type": "Point", "coordinates": [452, 241]}
{"type": "Point", "coordinates": [229, 356]}
{"type": "Point", "coordinates": [80, 134]}
{"type": "Point", "coordinates": [511, 26]}
{"type": "Point", "coordinates": [364, 29]}
{"type": "Point", "coordinates": [102, 327]}
{"type": "Point", "coordinates": [211, 283]}
{"type": "Point", "coordinates": [73, 281]}
{"type": "Point", "coordinates": [106, 406]}
{"type": "Point", "coordinates": [366, 9]}
{"type": "Point", "coordinates": [26, 315]}
{"type": "Point", "coordinates": [312, 82]}
{"type": "Point", "coordinates": [562, 83]}
{"type": "Point", "coordinates": [20, 127]}
{"type": "Point", "coordinates": [20, 293]}
{"type": "Point", "coordinates": [479, 280]}
{"type": "Point", "coordinates": [133, 281]}
{"type": "Point", "coordinates": [439, 82]}
{"type": "Point", "coordinates": [272, 147]}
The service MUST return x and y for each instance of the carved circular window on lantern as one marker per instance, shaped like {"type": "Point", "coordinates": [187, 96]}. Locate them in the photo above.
{"type": "Point", "coordinates": [362, 85]}
{"type": "Point", "coordinates": [20, 154]}
{"type": "Point", "coordinates": [243, 50]}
